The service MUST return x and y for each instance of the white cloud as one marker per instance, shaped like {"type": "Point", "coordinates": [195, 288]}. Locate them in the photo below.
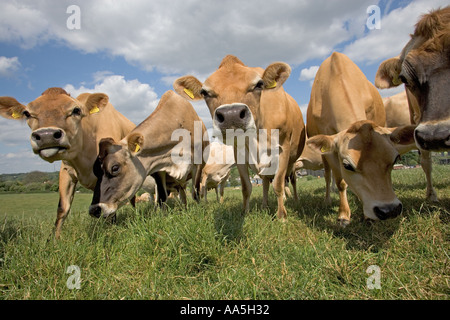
{"type": "Point", "coordinates": [132, 98]}
{"type": "Point", "coordinates": [184, 36]}
{"type": "Point", "coordinates": [9, 66]}
{"type": "Point", "coordinates": [308, 74]}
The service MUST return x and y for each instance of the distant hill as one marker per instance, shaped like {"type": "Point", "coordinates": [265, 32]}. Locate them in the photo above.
{"type": "Point", "coordinates": [30, 182]}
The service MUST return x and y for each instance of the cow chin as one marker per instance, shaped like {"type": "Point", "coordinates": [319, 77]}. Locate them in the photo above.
{"type": "Point", "coordinates": [433, 137]}
{"type": "Point", "coordinates": [52, 154]}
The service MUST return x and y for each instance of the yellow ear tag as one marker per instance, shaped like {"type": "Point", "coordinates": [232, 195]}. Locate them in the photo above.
{"type": "Point", "coordinates": [272, 85]}
{"type": "Point", "coordinates": [16, 115]}
{"type": "Point", "coordinates": [323, 149]}
{"type": "Point", "coordinates": [396, 81]}
{"type": "Point", "coordinates": [138, 147]}
{"type": "Point", "coordinates": [189, 93]}
{"type": "Point", "coordinates": [95, 109]}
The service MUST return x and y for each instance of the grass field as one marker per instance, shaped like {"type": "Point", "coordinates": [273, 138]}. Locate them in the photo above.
{"type": "Point", "coordinates": [209, 251]}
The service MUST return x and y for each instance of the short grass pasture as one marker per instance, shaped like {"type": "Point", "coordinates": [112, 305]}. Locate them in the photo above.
{"type": "Point", "coordinates": [210, 251]}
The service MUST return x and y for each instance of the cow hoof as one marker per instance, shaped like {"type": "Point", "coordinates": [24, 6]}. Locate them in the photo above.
{"type": "Point", "coordinates": [432, 198]}
{"type": "Point", "coordinates": [343, 222]}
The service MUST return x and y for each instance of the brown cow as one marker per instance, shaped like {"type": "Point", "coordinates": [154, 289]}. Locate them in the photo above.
{"type": "Point", "coordinates": [68, 129]}
{"type": "Point", "coordinates": [397, 110]}
{"type": "Point", "coordinates": [217, 169]}
{"type": "Point", "coordinates": [424, 67]}
{"type": "Point", "coordinates": [340, 96]}
{"type": "Point", "coordinates": [398, 114]}
{"type": "Point", "coordinates": [251, 101]}
{"type": "Point", "coordinates": [363, 155]}
{"type": "Point", "coordinates": [153, 146]}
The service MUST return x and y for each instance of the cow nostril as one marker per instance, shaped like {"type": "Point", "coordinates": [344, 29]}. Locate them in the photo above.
{"type": "Point", "coordinates": [36, 136]}
{"type": "Point", "coordinates": [57, 135]}
{"type": "Point", "coordinates": [242, 114]}
{"type": "Point", "coordinates": [220, 117]}
{"type": "Point", "coordinates": [95, 211]}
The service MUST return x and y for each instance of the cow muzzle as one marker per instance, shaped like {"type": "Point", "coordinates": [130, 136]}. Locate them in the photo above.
{"type": "Point", "coordinates": [388, 211]}
{"type": "Point", "coordinates": [102, 210]}
{"type": "Point", "coordinates": [49, 142]}
{"type": "Point", "coordinates": [233, 116]}
{"type": "Point", "coordinates": [433, 137]}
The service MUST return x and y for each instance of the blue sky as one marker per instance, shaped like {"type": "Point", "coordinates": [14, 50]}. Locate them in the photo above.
{"type": "Point", "coordinates": [133, 50]}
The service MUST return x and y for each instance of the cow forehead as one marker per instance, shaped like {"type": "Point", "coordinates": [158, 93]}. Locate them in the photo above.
{"type": "Point", "coordinates": [378, 150]}
{"type": "Point", "coordinates": [53, 103]}
{"type": "Point", "coordinates": [235, 76]}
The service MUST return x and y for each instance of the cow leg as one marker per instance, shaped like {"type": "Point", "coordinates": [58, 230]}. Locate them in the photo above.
{"type": "Point", "coordinates": [425, 161]}
{"type": "Point", "coordinates": [222, 189]}
{"type": "Point", "coordinates": [279, 183]}
{"type": "Point", "coordinates": [287, 191]}
{"type": "Point", "coordinates": [183, 197]}
{"type": "Point", "coordinates": [327, 176]}
{"type": "Point", "coordinates": [197, 173]}
{"type": "Point", "coordinates": [293, 179]}
{"type": "Point", "coordinates": [344, 209]}
{"type": "Point", "coordinates": [246, 185]}
{"type": "Point", "coordinates": [266, 184]}
{"type": "Point", "coordinates": [67, 184]}
{"type": "Point", "coordinates": [217, 193]}
{"type": "Point", "coordinates": [160, 179]}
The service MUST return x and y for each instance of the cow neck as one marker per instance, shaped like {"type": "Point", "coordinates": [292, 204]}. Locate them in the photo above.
{"type": "Point", "coordinates": [157, 131]}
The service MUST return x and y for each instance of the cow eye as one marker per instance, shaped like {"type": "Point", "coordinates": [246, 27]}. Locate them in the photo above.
{"type": "Point", "coordinates": [348, 166]}
{"type": "Point", "coordinates": [76, 111]}
{"type": "Point", "coordinates": [115, 169]}
{"type": "Point", "coordinates": [403, 79]}
{"type": "Point", "coordinates": [26, 114]}
{"type": "Point", "coordinates": [259, 85]}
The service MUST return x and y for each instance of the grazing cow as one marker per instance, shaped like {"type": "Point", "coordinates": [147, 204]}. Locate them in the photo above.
{"type": "Point", "coordinates": [68, 129]}
{"type": "Point", "coordinates": [152, 147]}
{"type": "Point", "coordinates": [217, 169]}
{"type": "Point", "coordinates": [340, 96]}
{"type": "Point", "coordinates": [424, 67]}
{"type": "Point", "coordinates": [397, 110]}
{"type": "Point", "coordinates": [309, 159]}
{"type": "Point", "coordinates": [363, 155]}
{"type": "Point", "coordinates": [398, 114]}
{"type": "Point", "coordinates": [251, 101]}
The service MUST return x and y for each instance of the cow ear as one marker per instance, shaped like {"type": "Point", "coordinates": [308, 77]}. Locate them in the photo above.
{"type": "Point", "coordinates": [322, 144]}
{"type": "Point", "coordinates": [96, 102]}
{"type": "Point", "coordinates": [135, 143]}
{"type": "Point", "coordinates": [10, 108]}
{"type": "Point", "coordinates": [403, 135]}
{"type": "Point", "coordinates": [103, 146]}
{"type": "Point", "coordinates": [388, 74]}
{"type": "Point", "coordinates": [276, 75]}
{"type": "Point", "coordinates": [188, 87]}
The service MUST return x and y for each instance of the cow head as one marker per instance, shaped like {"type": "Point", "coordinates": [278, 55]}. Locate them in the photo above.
{"type": "Point", "coordinates": [55, 120]}
{"type": "Point", "coordinates": [424, 68]}
{"type": "Point", "coordinates": [119, 174]}
{"type": "Point", "coordinates": [233, 92]}
{"type": "Point", "coordinates": [365, 155]}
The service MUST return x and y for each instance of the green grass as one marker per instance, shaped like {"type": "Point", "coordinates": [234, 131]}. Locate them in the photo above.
{"type": "Point", "coordinates": [209, 251]}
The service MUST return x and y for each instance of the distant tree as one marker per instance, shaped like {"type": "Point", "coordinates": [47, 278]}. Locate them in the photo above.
{"type": "Point", "coordinates": [35, 177]}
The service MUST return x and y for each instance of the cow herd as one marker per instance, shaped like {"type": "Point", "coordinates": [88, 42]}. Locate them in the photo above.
{"type": "Point", "coordinates": [349, 131]}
